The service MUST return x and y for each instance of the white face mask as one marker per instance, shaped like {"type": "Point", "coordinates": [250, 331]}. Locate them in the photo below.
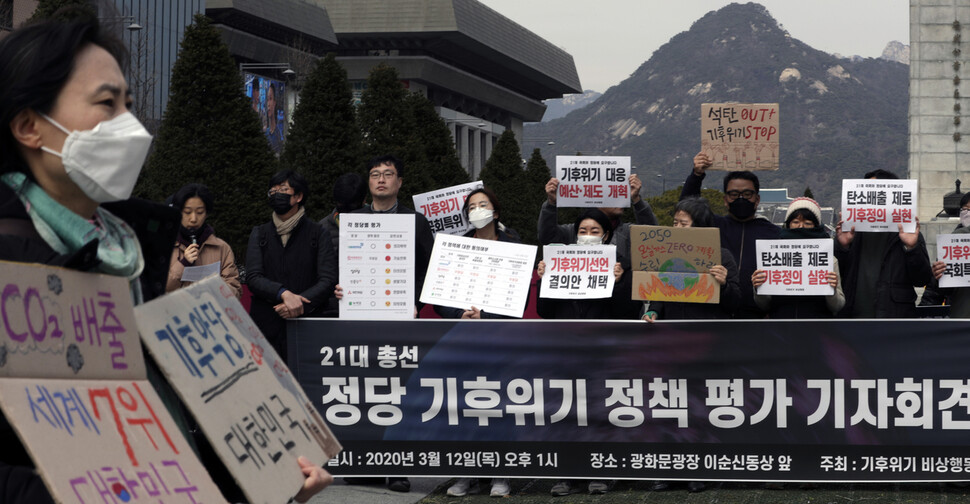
{"type": "Point", "coordinates": [589, 240]}
{"type": "Point", "coordinates": [965, 217]}
{"type": "Point", "coordinates": [480, 217]}
{"type": "Point", "coordinates": [105, 161]}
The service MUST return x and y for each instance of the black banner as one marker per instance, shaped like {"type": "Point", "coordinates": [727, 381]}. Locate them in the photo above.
{"type": "Point", "coordinates": [840, 400]}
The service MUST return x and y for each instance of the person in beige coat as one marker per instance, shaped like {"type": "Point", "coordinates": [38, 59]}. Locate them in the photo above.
{"type": "Point", "coordinates": [196, 243]}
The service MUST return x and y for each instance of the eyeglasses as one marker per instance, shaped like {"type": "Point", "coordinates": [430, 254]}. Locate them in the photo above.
{"type": "Point", "coordinates": [271, 192]}
{"type": "Point", "coordinates": [746, 194]}
{"type": "Point", "coordinates": [386, 174]}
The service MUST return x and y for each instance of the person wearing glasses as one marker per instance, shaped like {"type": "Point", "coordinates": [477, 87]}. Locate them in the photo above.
{"type": "Point", "coordinates": [740, 229]}
{"type": "Point", "coordinates": [291, 266]}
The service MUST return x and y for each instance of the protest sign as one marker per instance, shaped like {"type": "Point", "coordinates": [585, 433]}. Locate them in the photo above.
{"type": "Point", "coordinates": [240, 392]}
{"type": "Point", "coordinates": [578, 271]}
{"type": "Point", "coordinates": [954, 251]}
{"type": "Point", "coordinates": [377, 266]}
{"type": "Point", "coordinates": [443, 207]}
{"type": "Point", "coordinates": [740, 136]}
{"type": "Point", "coordinates": [879, 205]}
{"type": "Point", "coordinates": [73, 386]}
{"type": "Point", "coordinates": [593, 181]}
{"type": "Point", "coordinates": [491, 275]}
{"type": "Point", "coordinates": [672, 264]}
{"type": "Point", "coordinates": [768, 400]}
{"type": "Point", "coordinates": [796, 267]}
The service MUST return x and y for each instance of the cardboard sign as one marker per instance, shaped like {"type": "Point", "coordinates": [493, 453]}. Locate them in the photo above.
{"type": "Point", "coordinates": [740, 136]}
{"type": "Point", "coordinates": [578, 271]}
{"type": "Point", "coordinates": [443, 207]}
{"type": "Point", "coordinates": [672, 264]}
{"type": "Point", "coordinates": [58, 323]}
{"type": "Point", "coordinates": [97, 441]}
{"type": "Point", "coordinates": [490, 275]}
{"type": "Point", "coordinates": [954, 251]}
{"type": "Point", "coordinates": [241, 393]}
{"type": "Point", "coordinates": [377, 266]}
{"type": "Point", "coordinates": [879, 205]}
{"type": "Point", "coordinates": [593, 181]}
{"type": "Point", "coordinates": [796, 267]}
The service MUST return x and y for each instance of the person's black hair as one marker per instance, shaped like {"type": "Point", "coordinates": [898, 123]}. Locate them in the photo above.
{"type": "Point", "coordinates": [193, 190]}
{"type": "Point", "coordinates": [881, 174]}
{"type": "Point", "coordinates": [492, 198]}
{"type": "Point", "coordinates": [296, 181]}
{"type": "Point", "coordinates": [276, 94]}
{"type": "Point", "coordinates": [349, 191]}
{"type": "Point", "coordinates": [803, 213]}
{"type": "Point", "coordinates": [601, 218]}
{"type": "Point", "coordinates": [698, 209]}
{"type": "Point", "coordinates": [964, 199]}
{"type": "Point", "coordinates": [743, 175]}
{"type": "Point", "coordinates": [388, 159]}
{"type": "Point", "coordinates": [35, 63]}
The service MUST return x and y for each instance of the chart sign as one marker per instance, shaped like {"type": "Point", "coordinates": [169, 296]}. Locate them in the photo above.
{"type": "Point", "coordinates": [879, 205]}
{"type": "Point", "coordinates": [490, 275]}
{"type": "Point", "coordinates": [240, 392]}
{"type": "Point", "coordinates": [443, 208]}
{"type": "Point", "coordinates": [740, 136]}
{"type": "Point", "coordinates": [672, 264]}
{"type": "Point", "coordinates": [593, 181]}
{"type": "Point", "coordinates": [578, 271]}
{"type": "Point", "coordinates": [377, 266]}
{"type": "Point", "coordinates": [796, 267]}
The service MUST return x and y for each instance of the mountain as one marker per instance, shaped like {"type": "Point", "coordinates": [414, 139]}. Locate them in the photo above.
{"type": "Point", "coordinates": [839, 118]}
{"type": "Point", "coordinates": [896, 51]}
{"type": "Point", "coordinates": [560, 107]}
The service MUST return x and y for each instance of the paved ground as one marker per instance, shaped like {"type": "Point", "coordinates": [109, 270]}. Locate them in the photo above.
{"type": "Point", "coordinates": [531, 491]}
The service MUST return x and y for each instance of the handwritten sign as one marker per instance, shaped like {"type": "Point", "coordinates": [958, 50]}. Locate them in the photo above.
{"type": "Point", "coordinates": [879, 205]}
{"type": "Point", "coordinates": [740, 136]}
{"type": "Point", "coordinates": [593, 181]}
{"type": "Point", "coordinates": [578, 271]}
{"type": "Point", "coordinates": [672, 264]}
{"type": "Point", "coordinates": [443, 207]}
{"type": "Point", "coordinates": [241, 393]}
{"type": "Point", "coordinates": [954, 251]}
{"type": "Point", "coordinates": [490, 275]}
{"type": "Point", "coordinates": [377, 266]}
{"type": "Point", "coordinates": [58, 323]}
{"type": "Point", "coordinates": [796, 267]}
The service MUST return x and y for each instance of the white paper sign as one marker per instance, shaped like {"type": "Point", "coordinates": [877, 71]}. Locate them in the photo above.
{"type": "Point", "coordinates": [490, 275]}
{"type": "Point", "coordinates": [249, 405]}
{"type": "Point", "coordinates": [593, 181]}
{"type": "Point", "coordinates": [196, 273]}
{"type": "Point", "coordinates": [796, 267]}
{"type": "Point", "coordinates": [377, 266]}
{"type": "Point", "coordinates": [443, 207]}
{"type": "Point", "coordinates": [954, 251]}
{"type": "Point", "coordinates": [879, 205]}
{"type": "Point", "coordinates": [578, 271]}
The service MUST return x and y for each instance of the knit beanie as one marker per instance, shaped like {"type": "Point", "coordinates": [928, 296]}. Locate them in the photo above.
{"type": "Point", "coordinates": [804, 204]}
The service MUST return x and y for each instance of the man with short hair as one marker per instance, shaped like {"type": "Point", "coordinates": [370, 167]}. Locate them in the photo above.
{"type": "Point", "coordinates": [741, 228]}
{"type": "Point", "coordinates": [881, 269]}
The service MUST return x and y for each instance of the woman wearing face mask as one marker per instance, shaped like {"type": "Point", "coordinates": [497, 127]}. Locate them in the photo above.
{"type": "Point", "coordinates": [696, 212]}
{"type": "Point", "coordinates": [802, 221]}
{"type": "Point", "coordinates": [957, 297]}
{"type": "Point", "coordinates": [70, 153]}
{"type": "Point", "coordinates": [482, 210]}
{"type": "Point", "coordinates": [196, 243]}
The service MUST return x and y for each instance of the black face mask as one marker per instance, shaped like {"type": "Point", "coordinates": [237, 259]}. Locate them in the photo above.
{"type": "Point", "coordinates": [741, 208]}
{"type": "Point", "coordinates": [280, 203]}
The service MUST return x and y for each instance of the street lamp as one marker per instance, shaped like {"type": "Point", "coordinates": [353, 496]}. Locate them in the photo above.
{"type": "Point", "coordinates": [132, 25]}
{"type": "Point", "coordinates": [663, 182]}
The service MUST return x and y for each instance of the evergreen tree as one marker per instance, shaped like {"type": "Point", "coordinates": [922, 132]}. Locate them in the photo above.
{"type": "Point", "coordinates": [433, 146]}
{"type": "Point", "coordinates": [663, 205]}
{"type": "Point", "coordinates": [47, 8]}
{"type": "Point", "coordinates": [503, 174]}
{"type": "Point", "coordinates": [808, 193]}
{"type": "Point", "coordinates": [210, 134]}
{"type": "Point", "coordinates": [324, 141]}
{"type": "Point", "coordinates": [535, 178]}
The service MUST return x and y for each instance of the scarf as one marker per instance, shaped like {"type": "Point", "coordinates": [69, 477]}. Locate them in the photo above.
{"type": "Point", "coordinates": [285, 227]}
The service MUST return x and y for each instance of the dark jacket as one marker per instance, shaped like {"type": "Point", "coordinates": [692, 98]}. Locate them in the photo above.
{"type": "Point", "coordinates": [423, 239]}
{"type": "Point", "coordinates": [620, 306]}
{"type": "Point", "coordinates": [899, 272]}
{"type": "Point", "coordinates": [730, 298]}
{"type": "Point", "coordinates": [549, 231]}
{"type": "Point", "coordinates": [307, 266]}
{"type": "Point", "coordinates": [739, 237]}
{"type": "Point", "coordinates": [510, 236]}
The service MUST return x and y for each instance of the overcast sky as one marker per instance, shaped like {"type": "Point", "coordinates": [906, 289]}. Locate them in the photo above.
{"type": "Point", "coordinates": [609, 39]}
